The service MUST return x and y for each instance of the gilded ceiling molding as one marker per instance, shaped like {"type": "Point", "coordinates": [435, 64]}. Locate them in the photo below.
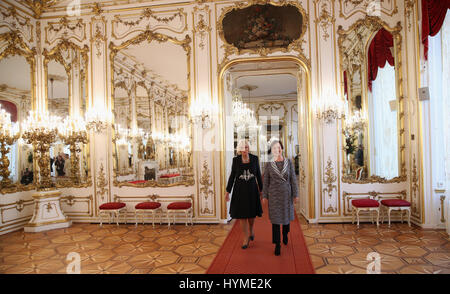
{"type": "Point", "coordinates": [147, 13]}
{"type": "Point", "coordinates": [205, 186]}
{"type": "Point", "coordinates": [296, 45]}
{"type": "Point", "coordinates": [65, 29]}
{"type": "Point", "coordinates": [97, 9]}
{"type": "Point", "coordinates": [134, 26]}
{"type": "Point", "coordinates": [348, 8]}
{"type": "Point", "coordinates": [325, 19]}
{"type": "Point", "coordinates": [38, 6]}
{"type": "Point", "coordinates": [16, 22]}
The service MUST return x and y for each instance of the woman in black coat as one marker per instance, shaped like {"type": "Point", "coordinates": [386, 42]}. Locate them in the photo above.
{"type": "Point", "coordinates": [245, 203]}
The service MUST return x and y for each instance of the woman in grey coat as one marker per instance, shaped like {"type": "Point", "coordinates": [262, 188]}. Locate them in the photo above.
{"type": "Point", "coordinates": [280, 187]}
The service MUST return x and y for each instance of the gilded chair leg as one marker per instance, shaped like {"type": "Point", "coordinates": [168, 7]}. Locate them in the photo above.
{"type": "Point", "coordinates": [378, 218]}
{"type": "Point", "coordinates": [389, 217]}
{"type": "Point", "coordinates": [353, 216]}
{"type": "Point", "coordinates": [168, 219]}
{"type": "Point", "coordinates": [357, 217]}
{"type": "Point", "coordinates": [135, 218]}
{"type": "Point", "coordinates": [153, 219]}
{"type": "Point", "coordinates": [409, 217]}
{"type": "Point", "coordinates": [401, 215]}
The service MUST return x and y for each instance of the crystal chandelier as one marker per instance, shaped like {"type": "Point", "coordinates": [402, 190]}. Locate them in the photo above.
{"type": "Point", "coordinates": [243, 116]}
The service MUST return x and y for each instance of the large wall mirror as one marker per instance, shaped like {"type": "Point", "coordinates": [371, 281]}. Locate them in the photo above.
{"type": "Point", "coordinates": [152, 132]}
{"type": "Point", "coordinates": [17, 69]}
{"type": "Point", "coordinates": [66, 67]}
{"type": "Point", "coordinates": [373, 130]}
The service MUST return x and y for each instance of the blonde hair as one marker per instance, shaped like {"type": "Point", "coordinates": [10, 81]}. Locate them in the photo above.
{"type": "Point", "coordinates": [241, 146]}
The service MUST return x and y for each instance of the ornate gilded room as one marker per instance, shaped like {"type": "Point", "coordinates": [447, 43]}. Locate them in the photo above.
{"type": "Point", "coordinates": [144, 136]}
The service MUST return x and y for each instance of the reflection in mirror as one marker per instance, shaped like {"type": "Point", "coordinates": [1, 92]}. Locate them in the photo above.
{"type": "Point", "coordinates": [372, 128]}
{"type": "Point", "coordinates": [15, 102]}
{"type": "Point", "coordinates": [66, 67]}
{"type": "Point", "coordinates": [151, 102]}
{"type": "Point", "coordinates": [262, 100]}
{"type": "Point", "coordinates": [382, 100]}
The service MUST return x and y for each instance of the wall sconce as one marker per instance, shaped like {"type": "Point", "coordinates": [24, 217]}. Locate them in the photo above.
{"type": "Point", "coordinates": [201, 113]}
{"type": "Point", "coordinates": [357, 121]}
{"type": "Point", "coordinates": [97, 120]}
{"type": "Point", "coordinates": [330, 108]}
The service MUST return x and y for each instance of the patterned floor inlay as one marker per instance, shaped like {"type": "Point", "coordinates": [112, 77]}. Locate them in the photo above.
{"type": "Point", "coordinates": [114, 250]}
{"type": "Point", "coordinates": [342, 248]}
{"type": "Point", "coordinates": [334, 248]}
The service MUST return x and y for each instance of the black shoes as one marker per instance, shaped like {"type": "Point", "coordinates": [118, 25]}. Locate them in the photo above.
{"type": "Point", "coordinates": [277, 249]}
{"type": "Point", "coordinates": [285, 239]}
{"type": "Point", "coordinates": [246, 245]}
{"type": "Point", "coordinates": [252, 237]}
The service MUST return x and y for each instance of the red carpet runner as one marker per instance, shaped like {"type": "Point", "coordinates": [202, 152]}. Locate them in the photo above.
{"type": "Point", "coordinates": [259, 257]}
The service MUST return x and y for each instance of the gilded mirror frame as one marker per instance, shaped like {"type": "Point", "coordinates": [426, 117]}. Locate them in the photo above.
{"type": "Point", "coordinates": [149, 36]}
{"type": "Point", "coordinates": [374, 23]}
{"type": "Point", "coordinates": [55, 54]}
{"type": "Point", "coordinates": [14, 45]}
{"type": "Point", "coordinates": [230, 49]}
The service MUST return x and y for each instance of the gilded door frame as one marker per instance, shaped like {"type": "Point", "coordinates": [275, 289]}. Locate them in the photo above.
{"type": "Point", "coordinates": [302, 63]}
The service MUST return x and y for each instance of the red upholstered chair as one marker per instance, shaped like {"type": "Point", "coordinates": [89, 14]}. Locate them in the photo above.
{"type": "Point", "coordinates": [180, 207]}
{"type": "Point", "coordinates": [366, 204]}
{"type": "Point", "coordinates": [112, 209]}
{"type": "Point", "coordinates": [397, 204]}
{"type": "Point", "coordinates": [150, 206]}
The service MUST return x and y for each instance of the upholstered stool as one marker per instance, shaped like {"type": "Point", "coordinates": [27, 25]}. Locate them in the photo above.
{"type": "Point", "coordinates": [149, 206]}
{"type": "Point", "coordinates": [114, 209]}
{"type": "Point", "coordinates": [395, 204]}
{"type": "Point", "coordinates": [370, 205]}
{"type": "Point", "coordinates": [175, 207]}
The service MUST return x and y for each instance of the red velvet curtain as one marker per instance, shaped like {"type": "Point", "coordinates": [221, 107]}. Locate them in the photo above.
{"type": "Point", "coordinates": [379, 54]}
{"type": "Point", "coordinates": [433, 16]}
{"type": "Point", "coordinates": [11, 108]}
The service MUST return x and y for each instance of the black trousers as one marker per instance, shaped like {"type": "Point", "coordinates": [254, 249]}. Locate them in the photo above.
{"type": "Point", "coordinates": [276, 232]}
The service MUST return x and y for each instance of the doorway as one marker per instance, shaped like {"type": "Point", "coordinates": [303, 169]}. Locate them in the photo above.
{"type": "Point", "coordinates": [265, 99]}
